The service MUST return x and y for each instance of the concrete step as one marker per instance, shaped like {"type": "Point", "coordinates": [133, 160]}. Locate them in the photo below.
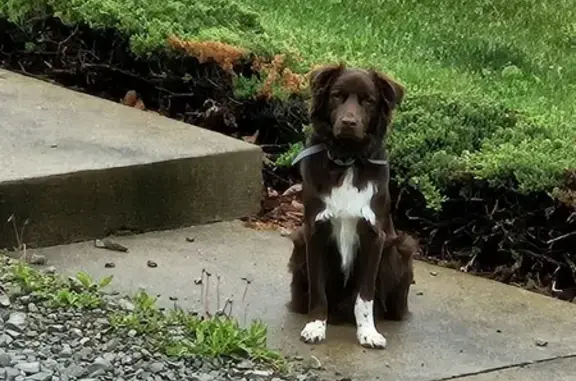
{"type": "Point", "coordinates": [78, 167]}
{"type": "Point", "coordinates": [461, 325]}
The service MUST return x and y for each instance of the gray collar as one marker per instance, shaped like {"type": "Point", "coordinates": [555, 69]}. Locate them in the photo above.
{"type": "Point", "coordinates": [312, 150]}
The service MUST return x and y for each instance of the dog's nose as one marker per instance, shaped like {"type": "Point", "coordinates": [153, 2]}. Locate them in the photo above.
{"type": "Point", "coordinates": [349, 122]}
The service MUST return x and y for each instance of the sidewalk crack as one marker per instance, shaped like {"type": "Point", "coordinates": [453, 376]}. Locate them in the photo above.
{"type": "Point", "coordinates": [505, 367]}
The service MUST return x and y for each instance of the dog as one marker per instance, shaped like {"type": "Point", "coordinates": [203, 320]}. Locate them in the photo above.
{"type": "Point", "coordinates": [347, 255]}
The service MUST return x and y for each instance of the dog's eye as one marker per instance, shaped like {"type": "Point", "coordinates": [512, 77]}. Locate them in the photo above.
{"type": "Point", "coordinates": [337, 96]}
{"type": "Point", "coordinates": [369, 102]}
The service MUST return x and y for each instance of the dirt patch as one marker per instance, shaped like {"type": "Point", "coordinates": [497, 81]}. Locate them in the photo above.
{"type": "Point", "coordinates": [520, 240]}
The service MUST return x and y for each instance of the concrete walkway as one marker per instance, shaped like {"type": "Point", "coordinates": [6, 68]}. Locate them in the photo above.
{"type": "Point", "coordinates": [462, 327]}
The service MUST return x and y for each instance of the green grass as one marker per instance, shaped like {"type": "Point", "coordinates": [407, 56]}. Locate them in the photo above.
{"type": "Point", "coordinates": [490, 84]}
{"type": "Point", "coordinates": [440, 45]}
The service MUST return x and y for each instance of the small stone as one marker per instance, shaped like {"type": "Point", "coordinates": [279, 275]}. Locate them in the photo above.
{"type": "Point", "coordinates": [110, 245]}
{"type": "Point", "coordinates": [66, 351]}
{"type": "Point", "coordinates": [433, 273]}
{"type": "Point", "coordinates": [12, 333]}
{"type": "Point", "coordinates": [541, 343]}
{"type": "Point", "coordinates": [50, 270]}
{"type": "Point", "coordinates": [84, 353]}
{"type": "Point", "coordinates": [74, 371]}
{"type": "Point", "coordinates": [190, 239]}
{"type": "Point", "coordinates": [32, 308]}
{"type": "Point", "coordinates": [4, 301]}
{"type": "Point", "coordinates": [419, 293]}
{"type": "Point", "coordinates": [260, 373]}
{"type": "Point", "coordinates": [112, 344]}
{"type": "Point", "coordinates": [132, 333]}
{"type": "Point", "coordinates": [42, 376]}
{"type": "Point", "coordinates": [156, 367]}
{"type": "Point", "coordinates": [127, 360]}
{"type": "Point", "coordinates": [11, 374]}
{"type": "Point", "coordinates": [76, 332]}
{"type": "Point", "coordinates": [28, 367]}
{"type": "Point", "coordinates": [151, 264]}
{"type": "Point", "coordinates": [37, 259]}
{"type": "Point", "coordinates": [18, 321]}
{"type": "Point", "coordinates": [126, 304]}
{"type": "Point", "coordinates": [5, 340]}
{"type": "Point", "coordinates": [99, 363]}
{"type": "Point", "coordinates": [314, 363]}
{"type": "Point", "coordinates": [56, 328]}
{"type": "Point", "coordinates": [4, 360]}
{"type": "Point", "coordinates": [97, 373]}
{"type": "Point", "coordinates": [109, 265]}
{"type": "Point", "coordinates": [245, 364]}
{"type": "Point", "coordinates": [86, 341]}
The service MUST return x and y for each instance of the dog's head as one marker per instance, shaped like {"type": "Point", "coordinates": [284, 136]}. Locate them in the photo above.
{"type": "Point", "coordinates": [353, 105]}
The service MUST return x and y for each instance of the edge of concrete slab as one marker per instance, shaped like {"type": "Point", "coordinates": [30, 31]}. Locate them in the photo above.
{"type": "Point", "coordinates": [113, 168]}
{"type": "Point", "coordinates": [85, 205]}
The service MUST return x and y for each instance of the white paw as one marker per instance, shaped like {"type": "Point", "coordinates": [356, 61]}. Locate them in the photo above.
{"type": "Point", "coordinates": [371, 338]}
{"type": "Point", "coordinates": [314, 332]}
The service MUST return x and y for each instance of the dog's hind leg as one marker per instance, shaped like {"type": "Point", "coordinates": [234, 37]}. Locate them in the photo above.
{"type": "Point", "coordinates": [298, 267]}
{"type": "Point", "coordinates": [396, 276]}
{"type": "Point", "coordinates": [396, 303]}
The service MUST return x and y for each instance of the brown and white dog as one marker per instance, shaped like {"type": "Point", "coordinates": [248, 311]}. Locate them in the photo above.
{"type": "Point", "coordinates": [347, 254]}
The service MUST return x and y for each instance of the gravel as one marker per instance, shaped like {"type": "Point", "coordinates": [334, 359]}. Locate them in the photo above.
{"type": "Point", "coordinates": [40, 343]}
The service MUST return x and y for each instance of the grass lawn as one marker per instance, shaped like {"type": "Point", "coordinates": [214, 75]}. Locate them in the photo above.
{"type": "Point", "coordinates": [520, 52]}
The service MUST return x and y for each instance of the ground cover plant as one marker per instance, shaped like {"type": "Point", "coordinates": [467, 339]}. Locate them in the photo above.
{"type": "Point", "coordinates": [482, 149]}
{"type": "Point", "coordinates": [78, 329]}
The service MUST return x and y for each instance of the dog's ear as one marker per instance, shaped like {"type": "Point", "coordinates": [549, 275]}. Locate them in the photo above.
{"type": "Point", "coordinates": [391, 91]}
{"type": "Point", "coordinates": [320, 80]}
{"type": "Point", "coordinates": [321, 76]}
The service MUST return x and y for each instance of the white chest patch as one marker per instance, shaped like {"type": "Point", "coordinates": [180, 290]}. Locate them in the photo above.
{"type": "Point", "coordinates": [345, 206]}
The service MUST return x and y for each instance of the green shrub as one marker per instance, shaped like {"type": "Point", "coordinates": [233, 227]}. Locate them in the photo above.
{"type": "Point", "coordinates": [438, 140]}
{"type": "Point", "coordinates": [149, 23]}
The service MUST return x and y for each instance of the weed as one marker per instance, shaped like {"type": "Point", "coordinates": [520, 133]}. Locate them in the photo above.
{"type": "Point", "coordinates": [79, 292]}
{"type": "Point", "coordinates": [174, 332]}
{"type": "Point", "coordinates": [285, 159]}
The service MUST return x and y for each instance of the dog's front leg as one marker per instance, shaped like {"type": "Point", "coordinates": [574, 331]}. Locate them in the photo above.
{"type": "Point", "coordinates": [315, 329]}
{"type": "Point", "coordinates": [371, 244]}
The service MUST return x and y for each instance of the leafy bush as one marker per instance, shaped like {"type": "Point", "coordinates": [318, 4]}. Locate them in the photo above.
{"type": "Point", "coordinates": [437, 140]}
{"type": "Point", "coordinates": [150, 23]}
